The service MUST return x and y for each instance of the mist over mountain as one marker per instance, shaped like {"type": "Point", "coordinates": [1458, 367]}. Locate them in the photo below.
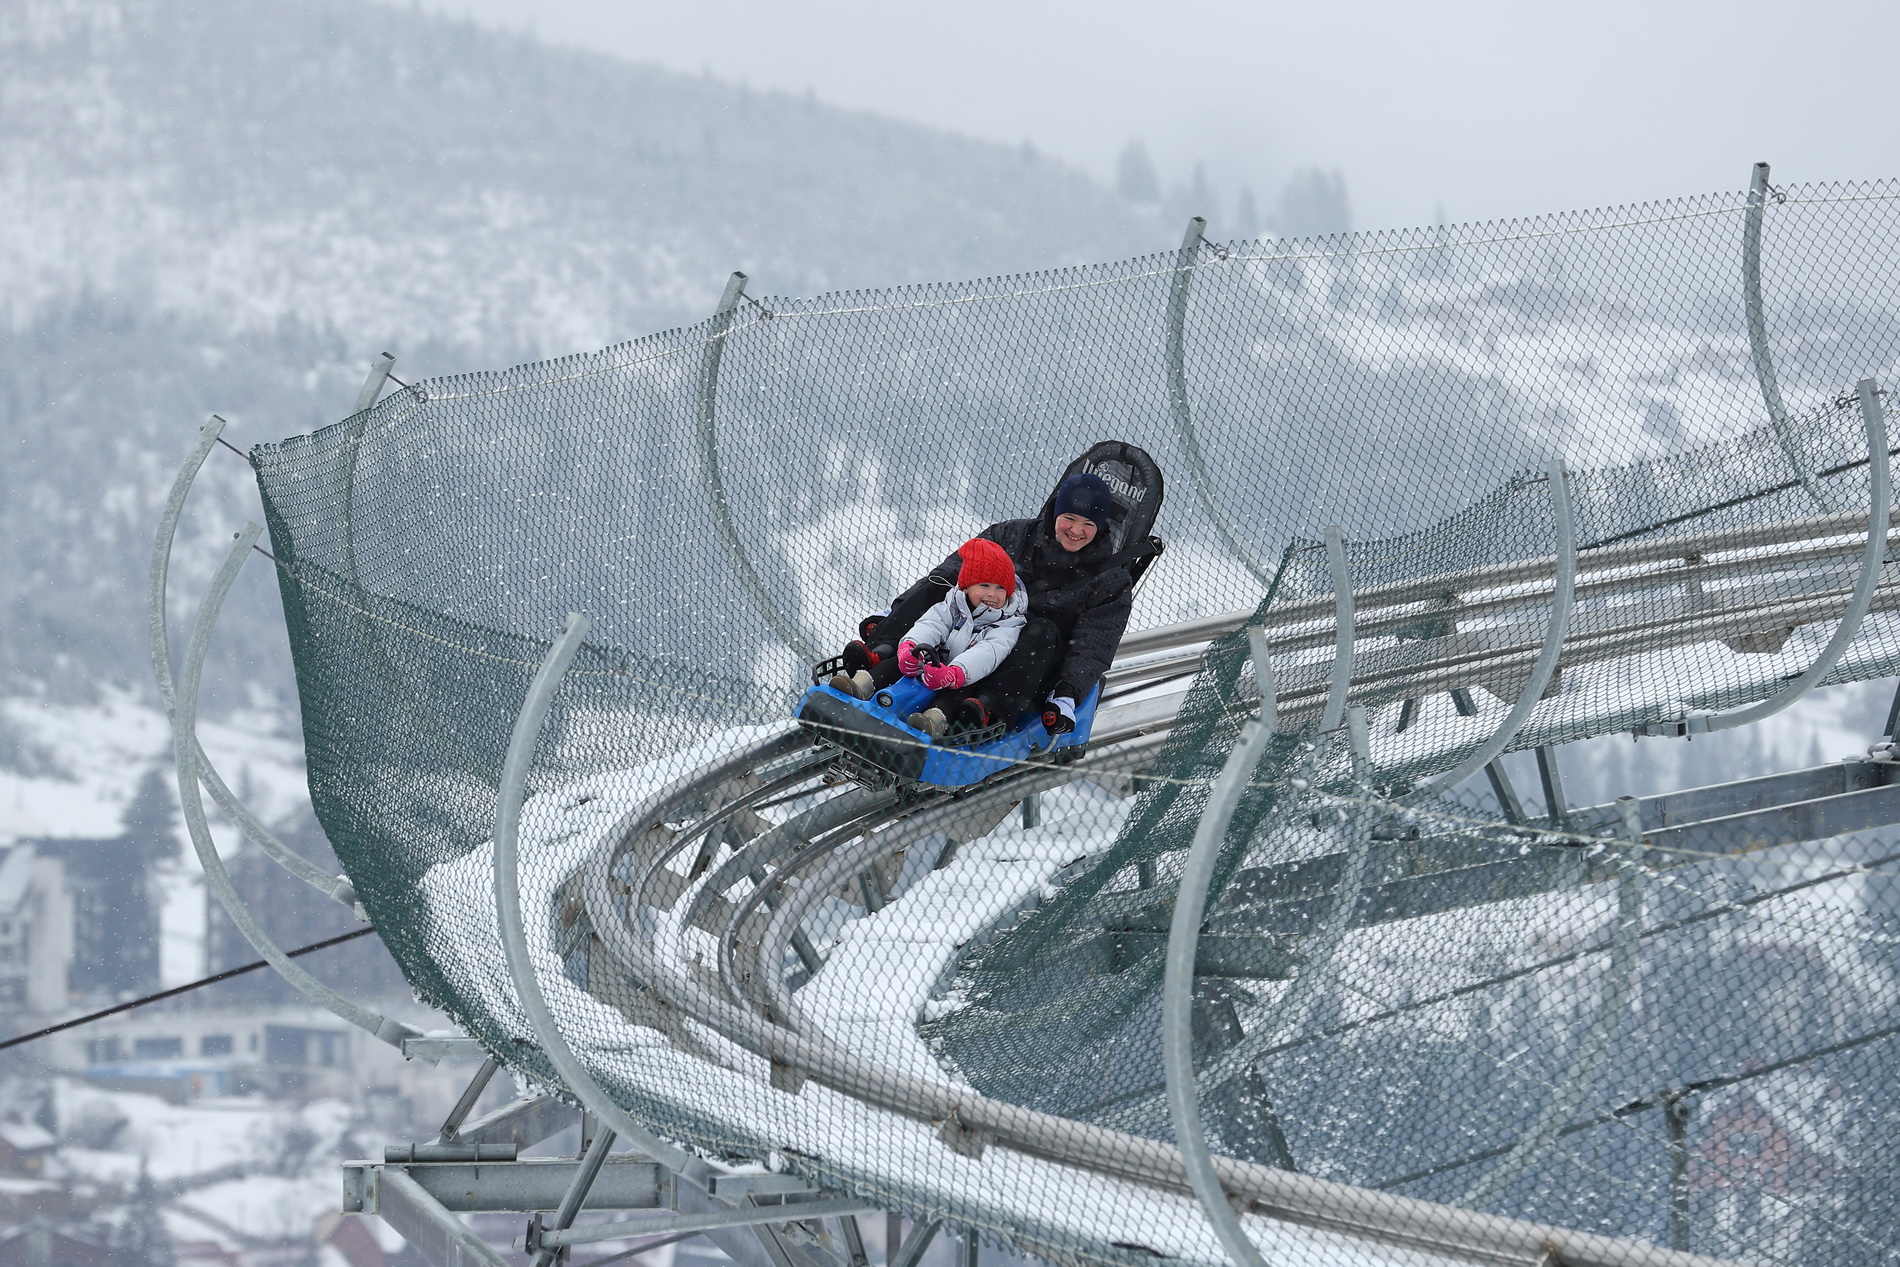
{"type": "Point", "coordinates": [231, 206]}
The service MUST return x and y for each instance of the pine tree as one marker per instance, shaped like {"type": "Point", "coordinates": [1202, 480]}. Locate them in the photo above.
{"type": "Point", "coordinates": [1135, 176]}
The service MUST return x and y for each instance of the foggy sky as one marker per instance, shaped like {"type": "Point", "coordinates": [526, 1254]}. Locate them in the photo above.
{"type": "Point", "coordinates": [1480, 108]}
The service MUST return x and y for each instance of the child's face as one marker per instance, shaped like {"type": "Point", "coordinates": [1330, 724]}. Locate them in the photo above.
{"type": "Point", "coordinates": [987, 595]}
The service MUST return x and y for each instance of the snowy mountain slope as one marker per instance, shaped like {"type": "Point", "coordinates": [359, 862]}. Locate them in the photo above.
{"type": "Point", "coordinates": [231, 207]}
{"type": "Point", "coordinates": [399, 176]}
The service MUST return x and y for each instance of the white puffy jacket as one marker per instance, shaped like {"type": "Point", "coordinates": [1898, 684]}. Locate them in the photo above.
{"type": "Point", "coordinates": [975, 642]}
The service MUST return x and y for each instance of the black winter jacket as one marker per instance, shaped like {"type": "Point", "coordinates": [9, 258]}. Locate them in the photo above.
{"type": "Point", "coordinates": [1087, 595]}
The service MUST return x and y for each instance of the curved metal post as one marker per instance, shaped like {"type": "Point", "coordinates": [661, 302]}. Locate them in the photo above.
{"type": "Point", "coordinates": [1342, 633]}
{"type": "Point", "coordinates": [158, 628]}
{"type": "Point", "coordinates": [514, 940]}
{"type": "Point", "coordinates": [707, 434]}
{"type": "Point", "coordinates": [1625, 943]}
{"type": "Point", "coordinates": [1175, 358]}
{"type": "Point", "coordinates": [1871, 561]}
{"type": "Point", "coordinates": [1177, 990]}
{"type": "Point", "coordinates": [1325, 944]}
{"type": "Point", "coordinates": [1758, 339]}
{"type": "Point", "coordinates": [373, 385]}
{"type": "Point", "coordinates": [1562, 602]}
{"type": "Point", "coordinates": [185, 754]}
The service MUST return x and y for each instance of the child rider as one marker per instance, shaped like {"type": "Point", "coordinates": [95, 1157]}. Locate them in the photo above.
{"type": "Point", "coordinates": [953, 645]}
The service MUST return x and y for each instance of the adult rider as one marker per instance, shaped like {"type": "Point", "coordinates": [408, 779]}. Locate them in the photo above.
{"type": "Point", "coordinates": [1080, 593]}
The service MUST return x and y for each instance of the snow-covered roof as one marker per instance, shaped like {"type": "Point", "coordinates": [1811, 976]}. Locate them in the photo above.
{"type": "Point", "coordinates": [26, 1137]}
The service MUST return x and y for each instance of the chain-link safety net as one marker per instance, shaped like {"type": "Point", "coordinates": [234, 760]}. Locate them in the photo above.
{"type": "Point", "coordinates": [1553, 478]}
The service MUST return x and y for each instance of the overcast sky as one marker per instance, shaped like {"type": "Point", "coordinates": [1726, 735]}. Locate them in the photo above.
{"type": "Point", "coordinates": [1479, 107]}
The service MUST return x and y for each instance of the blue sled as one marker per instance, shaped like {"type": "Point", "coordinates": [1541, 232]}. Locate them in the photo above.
{"type": "Point", "coordinates": [875, 734]}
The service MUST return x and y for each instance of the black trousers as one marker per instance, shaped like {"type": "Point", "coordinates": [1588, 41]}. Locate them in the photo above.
{"type": "Point", "coordinates": [1019, 682]}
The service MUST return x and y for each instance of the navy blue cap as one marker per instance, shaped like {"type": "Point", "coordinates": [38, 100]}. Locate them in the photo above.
{"type": "Point", "coordinates": [1085, 495]}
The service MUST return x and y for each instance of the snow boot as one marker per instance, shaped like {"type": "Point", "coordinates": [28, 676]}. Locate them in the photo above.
{"type": "Point", "coordinates": [856, 684]}
{"type": "Point", "coordinates": [931, 721]}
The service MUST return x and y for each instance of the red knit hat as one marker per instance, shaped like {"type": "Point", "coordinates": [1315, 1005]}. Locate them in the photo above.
{"type": "Point", "coordinates": [985, 562]}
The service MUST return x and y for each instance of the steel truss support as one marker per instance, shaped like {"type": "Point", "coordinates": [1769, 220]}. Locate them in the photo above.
{"type": "Point", "coordinates": [706, 433]}
{"type": "Point", "coordinates": [1175, 354]}
{"type": "Point", "coordinates": [1758, 340]}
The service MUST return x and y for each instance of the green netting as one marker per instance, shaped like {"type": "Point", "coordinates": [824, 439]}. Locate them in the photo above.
{"type": "Point", "coordinates": [1397, 991]}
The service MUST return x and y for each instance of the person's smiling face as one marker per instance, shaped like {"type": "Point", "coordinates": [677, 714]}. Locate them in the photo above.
{"type": "Point", "coordinates": [1074, 531]}
{"type": "Point", "coordinates": [986, 594]}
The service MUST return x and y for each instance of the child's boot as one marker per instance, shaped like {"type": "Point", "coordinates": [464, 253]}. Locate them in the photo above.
{"type": "Point", "coordinates": [856, 684]}
{"type": "Point", "coordinates": [931, 721]}
{"type": "Point", "coordinates": [974, 714]}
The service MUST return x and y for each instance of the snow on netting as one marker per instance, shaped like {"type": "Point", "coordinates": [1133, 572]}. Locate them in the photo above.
{"type": "Point", "coordinates": [1399, 988]}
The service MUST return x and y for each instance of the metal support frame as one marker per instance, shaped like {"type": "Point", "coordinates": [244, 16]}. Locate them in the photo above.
{"type": "Point", "coordinates": [158, 630]}
{"type": "Point", "coordinates": [1677, 1109]}
{"type": "Point", "coordinates": [706, 433]}
{"type": "Point", "coordinates": [911, 1252]}
{"type": "Point", "coordinates": [593, 1156]}
{"type": "Point", "coordinates": [743, 1216]}
{"type": "Point", "coordinates": [373, 385]}
{"type": "Point", "coordinates": [1563, 600]}
{"type": "Point", "coordinates": [1177, 990]}
{"type": "Point", "coordinates": [466, 1103]}
{"type": "Point", "coordinates": [1342, 630]}
{"type": "Point", "coordinates": [514, 779]}
{"type": "Point", "coordinates": [191, 805]}
{"type": "Point", "coordinates": [1758, 339]}
{"type": "Point", "coordinates": [1175, 356]}
{"type": "Point", "coordinates": [423, 1221]}
{"type": "Point", "coordinates": [1551, 777]}
{"type": "Point", "coordinates": [625, 1181]}
{"type": "Point", "coordinates": [1872, 559]}
{"type": "Point", "coordinates": [1625, 950]}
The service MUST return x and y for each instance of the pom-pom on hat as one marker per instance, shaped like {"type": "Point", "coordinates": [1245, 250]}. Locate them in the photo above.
{"type": "Point", "coordinates": [985, 562]}
{"type": "Point", "coordinates": [1085, 494]}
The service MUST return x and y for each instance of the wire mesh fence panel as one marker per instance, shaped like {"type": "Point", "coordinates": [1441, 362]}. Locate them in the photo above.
{"type": "Point", "coordinates": [1488, 487]}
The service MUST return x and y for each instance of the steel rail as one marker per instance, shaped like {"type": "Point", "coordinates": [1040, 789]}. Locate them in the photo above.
{"type": "Point", "coordinates": [1564, 521]}
{"type": "Point", "coordinates": [158, 631]}
{"type": "Point", "coordinates": [1758, 349]}
{"type": "Point", "coordinates": [847, 861]}
{"type": "Point", "coordinates": [514, 943]}
{"type": "Point", "coordinates": [1184, 935]}
{"type": "Point", "coordinates": [770, 886]}
{"type": "Point", "coordinates": [752, 758]}
{"type": "Point", "coordinates": [1472, 666]}
{"type": "Point", "coordinates": [191, 806]}
{"type": "Point", "coordinates": [1279, 1194]}
{"type": "Point", "coordinates": [1517, 571]}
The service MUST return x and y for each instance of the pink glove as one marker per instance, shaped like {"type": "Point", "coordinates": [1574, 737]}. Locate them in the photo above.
{"type": "Point", "coordinates": [943, 677]}
{"type": "Point", "coordinates": [907, 662]}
